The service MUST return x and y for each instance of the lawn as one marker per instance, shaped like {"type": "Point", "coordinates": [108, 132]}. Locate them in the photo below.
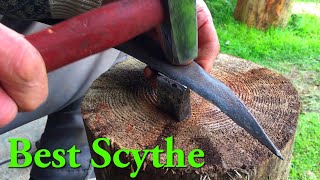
{"type": "Point", "coordinates": [294, 52]}
{"type": "Point", "coordinates": [316, 1]}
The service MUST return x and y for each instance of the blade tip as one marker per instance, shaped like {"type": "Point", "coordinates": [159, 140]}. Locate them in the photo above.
{"type": "Point", "coordinates": [279, 155]}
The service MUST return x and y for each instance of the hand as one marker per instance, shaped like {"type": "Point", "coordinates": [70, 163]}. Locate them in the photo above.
{"type": "Point", "coordinates": [23, 77]}
{"type": "Point", "coordinates": [208, 42]}
{"type": "Point", "coordinates": [209, 46]}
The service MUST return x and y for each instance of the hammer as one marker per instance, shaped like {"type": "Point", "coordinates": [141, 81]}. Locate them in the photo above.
{"type": "Point", "coordinates": [117, 22]}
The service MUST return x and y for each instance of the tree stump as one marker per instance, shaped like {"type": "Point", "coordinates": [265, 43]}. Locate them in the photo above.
{"type": "Point", "coordinates": [263, 14]}
{"type": "Point", "coordinates": [121, 106]}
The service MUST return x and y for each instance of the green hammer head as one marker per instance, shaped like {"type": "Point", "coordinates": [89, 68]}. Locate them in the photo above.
{"type": "Point", "coordinates": [179, 32]}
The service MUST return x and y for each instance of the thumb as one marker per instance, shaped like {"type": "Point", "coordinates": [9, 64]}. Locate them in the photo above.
{"type": "Point", "coordinates": [23, 76]}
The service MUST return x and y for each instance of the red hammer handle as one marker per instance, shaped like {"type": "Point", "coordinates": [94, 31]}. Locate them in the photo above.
{"type": "Point", "coordinates": [95, 31]}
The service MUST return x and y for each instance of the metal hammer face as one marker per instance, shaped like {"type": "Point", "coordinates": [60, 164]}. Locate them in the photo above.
{"type": "Point", "coordinates": [179, 32]}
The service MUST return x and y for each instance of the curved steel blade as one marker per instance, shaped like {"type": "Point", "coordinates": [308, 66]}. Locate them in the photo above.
{"type": "Point", "coordinates": [195, 78]}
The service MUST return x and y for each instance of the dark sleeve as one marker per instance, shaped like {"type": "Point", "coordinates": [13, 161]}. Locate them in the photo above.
{"type": "Point", "coordinates": [46, 9]}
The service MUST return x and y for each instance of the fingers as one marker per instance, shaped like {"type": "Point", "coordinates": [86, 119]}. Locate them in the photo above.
{"type": "Point", "coordinates": [209, 46]}
{"type": "Point", "coordinates": [151, 75]}
{"type": "Point", "coordinates": [23, 75]}
{"type": "Point", "coordinates": [8, 108]}
{"type": "Point", "coordinates": [148, 73]}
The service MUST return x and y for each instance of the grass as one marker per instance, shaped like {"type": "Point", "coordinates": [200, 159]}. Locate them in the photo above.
{"type": "Point", "coordinates": [315, 1]}
{"type": "Point", "coordinates": [306, 148]}
{"type": "Point", "coordinates": [293, 51]}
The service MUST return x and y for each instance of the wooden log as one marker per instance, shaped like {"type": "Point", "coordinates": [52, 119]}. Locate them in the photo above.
{"type": "Point", "coordinates": [121, 106]}
{"type": "Point", "coordinates": [263, 14]}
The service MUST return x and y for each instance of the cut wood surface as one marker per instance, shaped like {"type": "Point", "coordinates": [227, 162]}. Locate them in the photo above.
{"type": "Point", "coordinates": [263, 13]}
{"type": "Point", "coordinates": [121, 106]}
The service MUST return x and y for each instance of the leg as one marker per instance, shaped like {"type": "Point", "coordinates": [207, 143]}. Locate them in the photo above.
{"type": "Point", "coordinates": [65, 129]}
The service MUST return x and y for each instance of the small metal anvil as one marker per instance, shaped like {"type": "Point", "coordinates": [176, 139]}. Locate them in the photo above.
{"type": "Point", "coordinates": [173, 98]}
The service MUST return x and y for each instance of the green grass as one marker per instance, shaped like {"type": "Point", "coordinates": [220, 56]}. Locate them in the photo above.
{"type": "Point", "coordinates": [306, 148]}
{"type": "Point", "coordinates": [288, 46]}
{"type": "Point", "coordinates": [293, 51]}
{"type": "Point", "coordinates": [295, 45]}
{"type": "Point", "coordinates": [316, 1]}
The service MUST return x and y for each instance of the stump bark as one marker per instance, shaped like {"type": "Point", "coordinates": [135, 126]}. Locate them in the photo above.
{"type": "Point", "coordinates": [121, 106]}
{"type": "Point", "coordinates": [263, 14]}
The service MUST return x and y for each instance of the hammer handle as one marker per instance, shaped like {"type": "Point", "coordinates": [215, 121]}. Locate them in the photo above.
{"type": "Point", "coordinates": [95, 31]}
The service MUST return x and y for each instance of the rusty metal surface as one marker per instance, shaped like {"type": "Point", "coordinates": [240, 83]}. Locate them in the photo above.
{"type": "Point", "coordinates": [195, 78]}
{"type": "Point", "coordinates": [173, 98]}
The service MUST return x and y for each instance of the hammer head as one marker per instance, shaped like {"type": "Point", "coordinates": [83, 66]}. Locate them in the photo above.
{"type": "Point", "coordinates": [179, 32]}
{"type": "Point", "coordinates": [179, 38]}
